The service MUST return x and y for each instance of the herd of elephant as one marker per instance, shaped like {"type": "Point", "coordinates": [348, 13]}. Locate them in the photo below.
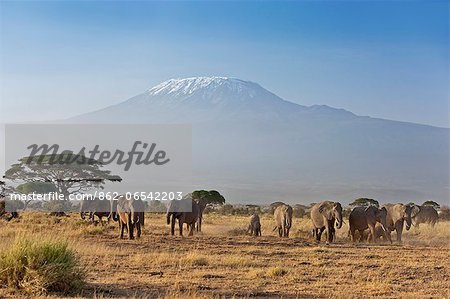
{"type": "Point", "coordinates": [325, 217]}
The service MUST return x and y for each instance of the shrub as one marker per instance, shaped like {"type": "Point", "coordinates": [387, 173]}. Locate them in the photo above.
{"type": "Point", "coordinates": [38, 267]}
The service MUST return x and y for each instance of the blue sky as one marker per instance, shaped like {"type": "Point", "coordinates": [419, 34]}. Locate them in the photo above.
{"type": "Point", "coordinates": [387, 59]}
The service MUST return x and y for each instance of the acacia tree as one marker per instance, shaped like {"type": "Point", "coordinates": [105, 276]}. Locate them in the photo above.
{"type": "Point", "coordinates": [431, 204]}
{"type": "Point", "coordinates": [35, 187]}
{"type": "Point", "coordinates": [69, 173]}
{"type": "Point", "coordinates": [365, 202]}
{"type": "Point", "coordinates": [208, 197]}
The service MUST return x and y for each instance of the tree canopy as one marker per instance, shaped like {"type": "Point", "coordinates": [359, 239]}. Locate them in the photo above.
{"type": "Point", "coordinates": [365, 202]}
{"type": "Point", "coordinates": [68, 172]}
{"type": "Point", "coordinates": [211, 197]}
{"type": "Point", "coordinates": [37, 187]}
{"type": "Point", "coordinates": [431, 204]}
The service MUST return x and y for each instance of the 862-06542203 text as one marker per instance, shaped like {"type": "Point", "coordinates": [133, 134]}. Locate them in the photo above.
{"type": "Point", "coordinates": [143, 195]}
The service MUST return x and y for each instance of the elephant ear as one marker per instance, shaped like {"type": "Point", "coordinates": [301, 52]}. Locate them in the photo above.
{"type": "Point", "coordinates": [404, 210]}
{"type": "Point", "coordinates": [415, 210]}
{"type": "Point", "coordinates": [369, 210]}
{"type": "Point", "coordinates": [321, 207]}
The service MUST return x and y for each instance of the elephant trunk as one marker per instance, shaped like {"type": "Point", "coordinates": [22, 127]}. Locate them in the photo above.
{"type": "Point", "coordinates": [387, 233]}
{"type": "Point", "coordinates": [133, 215]}
{"type": "Point", "coordinates": [408, 223]}
{"type": "Point", "coordinates": [339, 224]}
{"type": "Point", "coordinates": [168, 217]}
{"type": "Point", "coordinates": [338, 217]}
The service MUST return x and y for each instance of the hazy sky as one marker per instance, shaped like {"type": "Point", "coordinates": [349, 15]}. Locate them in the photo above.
{"type": "Point", "coordinates": [386, 59]}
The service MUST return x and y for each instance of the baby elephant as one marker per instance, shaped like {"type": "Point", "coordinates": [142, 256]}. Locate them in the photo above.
{"type": "Point", "coordinates": [254, 228]}
{"type": "Point", "coordinates": [380, 233]}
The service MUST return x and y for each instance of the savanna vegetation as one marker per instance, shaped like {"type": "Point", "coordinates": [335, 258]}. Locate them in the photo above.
{"type": "Point", "coordinates": [85, 259]}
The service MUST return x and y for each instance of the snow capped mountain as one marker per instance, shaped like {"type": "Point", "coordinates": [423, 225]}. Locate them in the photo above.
{"type": "Point", "coordinates": [199, 99]}
{"type": "Point", "coordinates": [252, 144]}
{"type": "Point", "coordinates": [208, 85]}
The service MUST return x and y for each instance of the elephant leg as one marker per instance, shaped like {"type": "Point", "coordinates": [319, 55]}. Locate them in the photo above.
{"type": "Point", "coordinates": [361, 236]}
{"type": "Point", "coordinates": [319, 233]}
{"type": "Point", "coordinates": [399, 230]}
{"type": "Point", "coordinates": [329, 237]}
{"type": "Point", "coordinates": [121, 227]}
{"type": "Point", "coordinates": [371, 237]}
{"type": "Point", "coordinates": [180, 225]}
{"type": "Point", "coordinates": [387, 235]}
{"type": "Point", "coordinates": [130, 229]}
{"type": "Point", "coordinates": [191, 229]}
{"type": "Point", "coordinates": [352, 234]}
{"type": "Point", "coordinates": [332, 233]}
{"type": "Point", "coordinates": [138, 230]}
{"type": "Point", "coordinates": [280, 232]}
{"type": "Point", "coordinates": [172, 225]}
{"type": "Point", "coordinates": [199, 225]}
{"type": "Point", "coordinates": [287, 232]}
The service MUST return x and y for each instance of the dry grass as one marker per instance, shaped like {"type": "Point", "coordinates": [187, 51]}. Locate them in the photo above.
{"type": "Point", "coordinates": [36, 266]}
{"type": "Point", "coordinates": [218, 263]}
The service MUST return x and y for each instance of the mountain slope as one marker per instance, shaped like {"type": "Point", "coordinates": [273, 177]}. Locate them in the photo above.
{"type": "Point", "coordinates": [206, 99]}
{"type": "Point", "coordinates": [255, 146]}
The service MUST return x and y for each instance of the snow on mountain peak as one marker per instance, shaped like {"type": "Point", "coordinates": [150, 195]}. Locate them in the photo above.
{"type": "Point", "coordinates": [189, 86]}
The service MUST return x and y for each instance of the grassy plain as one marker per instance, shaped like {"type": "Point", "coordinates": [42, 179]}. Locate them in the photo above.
{"type": "Point", "coordinates": [222, 262]}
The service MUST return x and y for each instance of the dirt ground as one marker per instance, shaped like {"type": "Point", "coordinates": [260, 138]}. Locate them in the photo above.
{"type": "Point", "coordinates": [222, 262]}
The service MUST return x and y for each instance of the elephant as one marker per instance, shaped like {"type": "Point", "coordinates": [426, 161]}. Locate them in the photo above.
{"type": "Point", "coordinates": [379, 232]}
{"type": "Point", "coordinates": [254, 228]}
{"type": "Point", "coordinates": [130, 214]}
{"type": "Point", "coordinates": [186, 211]}
{"type": "Point", "coordinates": [13, 213]}
{"type": "Point", "coordinates": [283, 220]}
{"type": "Point", "coordinates": [324, 215]}
{"type": "Point", "coordinates": [362, 218]}
{"type": "Point", "coordinates": [425, 214]}
{"type": "Point", "coordinates": [95, 207]}
{"type": "Point", "coordinates": [202, 203]}
{"type": "Point", "coordinates": [397, 215]}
